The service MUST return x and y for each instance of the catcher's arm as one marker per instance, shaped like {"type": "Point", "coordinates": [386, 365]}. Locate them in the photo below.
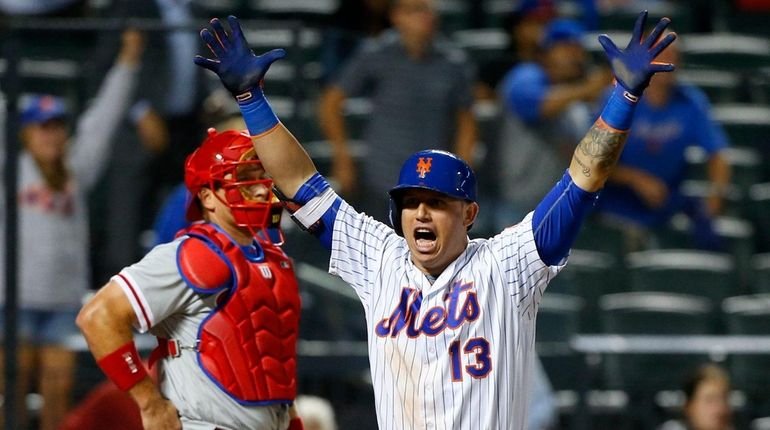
{"type": "Point", "coordinates": [106, 321]}
{"type": "Point", "coordinates": [597, 154]}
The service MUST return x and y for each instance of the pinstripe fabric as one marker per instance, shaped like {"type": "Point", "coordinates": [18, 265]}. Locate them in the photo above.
{"type": "Point", "coordinates": [462, 357]}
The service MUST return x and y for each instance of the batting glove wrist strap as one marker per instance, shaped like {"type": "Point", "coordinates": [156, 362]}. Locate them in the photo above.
{"type": "Point", "coordinates": [123, 366]}
{"type": "Point", "coordinates": [634, 66]}
{"type": "Point", "coordinates": [257, 113]}
{"type": "Point", "coordinates": [619, 110]}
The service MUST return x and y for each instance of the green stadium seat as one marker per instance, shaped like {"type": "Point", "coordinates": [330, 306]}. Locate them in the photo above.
{"type": "Point", "coordinates": [749, 315]}
{"type": "Point", "coordinates": [759, 213]}
{"type": "Point", "coordinates": [308, 11]}
{"type": "Point", "coordinates": [734, 198]}
{"type": "Point", "coordinates": [453, 15]}
{"type": "Point", "coordinates": [652, 313]}
{"type": "Point", "coordinates": [483, 44]}
{"type": "Point", "coordinates": [725, 51]}
{"type": "Point", "coordinates": [557, 321]}
{"type": "Point", "coordinates": [745, 164]}
{"type": "Point", "coordinates": [598, 235]}
{"type": "Point", "coordinates": [557, 317]}
{"type": "Point", "coordinates": [736, 233]}
{"type": "Point", "coordinates": [720, 86]}
{"type": "Point", "coordinates": [760, 268]}
{"type": "Point", "coordinates": [697, 273]}
{"type": "Point", "coordinates": [590, 275]}
{"type": "Point", "coordinates": [624, 18]}
{"type": "Point", "coordinates": [747, 125]}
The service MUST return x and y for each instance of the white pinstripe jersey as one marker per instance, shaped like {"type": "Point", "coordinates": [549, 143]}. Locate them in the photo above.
{"type": "Point", "coordinates": [463, 359]}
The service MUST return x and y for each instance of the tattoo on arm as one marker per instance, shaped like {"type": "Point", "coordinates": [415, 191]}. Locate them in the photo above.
{"type": "Point", "coordinates": [583, 167]}
{"type": "Point", "coordinates": [602, 145]}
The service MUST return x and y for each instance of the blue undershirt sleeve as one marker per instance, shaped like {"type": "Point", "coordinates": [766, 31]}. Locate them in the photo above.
{"type": "Point", "coordinates": [558, 218]}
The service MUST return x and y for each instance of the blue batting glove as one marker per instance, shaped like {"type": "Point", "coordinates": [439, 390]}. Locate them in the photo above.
{"type": "Point", "coordinates": [634, 66]}
{"type": "Point", "coordinates": [238, 68]}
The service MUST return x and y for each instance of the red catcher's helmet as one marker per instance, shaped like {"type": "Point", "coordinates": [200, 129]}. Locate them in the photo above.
{"type": "Point", "coordinates": [224, 160]}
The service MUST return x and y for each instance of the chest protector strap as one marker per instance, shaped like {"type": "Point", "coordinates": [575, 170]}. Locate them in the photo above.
{"type": "Point", "coordinates": [247, 344]}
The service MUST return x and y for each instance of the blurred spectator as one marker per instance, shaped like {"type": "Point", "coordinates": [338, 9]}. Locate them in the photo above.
{"type": "Point", "coordinates": [643, 192]}
{"type": "Point", "coordinates": [547, 109]}
{"type": "Point", "coordinates": [43, 7]}
{"type": "Point", "coordinates": [524, 28]}
{"type": "Point", "coordinates": [316, 413]}
{"type": "Point", "coordinates": [707, 401]}
{"type": "Point", "coordinates": [421, 91]}
{"type": "Point", "coordinates": [56, 171]}
{"type": "Point", "coordinates": [352, 23]}
{"type": "Point", "coordinates": [124, 200]}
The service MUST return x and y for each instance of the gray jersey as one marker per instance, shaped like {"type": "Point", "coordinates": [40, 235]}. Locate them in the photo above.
{"type": "Point", "coordinates": [455, 353]}
{"type": "Point", "coordinates": [166, 307]}
{"type": "Point", "coordinates": [54, 271]}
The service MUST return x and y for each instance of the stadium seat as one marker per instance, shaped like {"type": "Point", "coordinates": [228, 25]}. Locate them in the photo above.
{"type": "Point", "coordinates": [747, 125]}
{"type": "Point", "coordinates": [736, 236]}
{"type": "Point", "coordinates": [760, 268]}
{"type": "Point", "coordinates": [311, 12]}
{"type": "Point", "coordinates": [590, 275]}
{"type": "Point", "coordinates": [720, 86]}
{"type": "Point", "coordinates": [598, 235]}
{"type": "Point", "coordinates": [624, 18]}
{"type": "Point", "coordinates": [734, 197]}
{"type": "Point", "coordinates": [453, 15]}
{"type": "Point", "coordinates": [725, 51]}
{"type": "Point", "coordinates": [557, 317]}
{"type": "Point", "coordinates": [483, 44]}
{"type": "Point", "coordinates": [639, 313]}
{"type": "Point", "coordinates": [759, 204]}
{"type": "Point", "coordinates": [698, 273]}
{"type": "Point", "coordinates": [557, 322]}
{"type": "Point", "coordinates": [745, 165]}
{"type": "Point", "coordinates": [749, 315]}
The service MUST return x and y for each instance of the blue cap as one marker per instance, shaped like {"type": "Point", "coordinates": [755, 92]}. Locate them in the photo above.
{"type": "Point", "coordinates": [39, 109]}
{"type": "Point", "coordinates": [562, 30]}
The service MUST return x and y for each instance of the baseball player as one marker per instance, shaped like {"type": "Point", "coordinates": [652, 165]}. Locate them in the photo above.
{"type": "Point", "coordinates": [450, 321]}
{"type": "Point", "coordinates": [222, 300]}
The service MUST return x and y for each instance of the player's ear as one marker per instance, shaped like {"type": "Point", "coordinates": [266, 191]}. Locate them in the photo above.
{"type": "Point", "coordinates": [471, 211]}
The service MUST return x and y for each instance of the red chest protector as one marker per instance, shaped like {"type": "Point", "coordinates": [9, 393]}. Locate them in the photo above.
{"type": "Point", "coordinates": [247, 345]}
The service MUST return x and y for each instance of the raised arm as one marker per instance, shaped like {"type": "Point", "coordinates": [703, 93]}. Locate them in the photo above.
{"type": "Point", "coordinates": [242, 73]}
{"type": "Point", "coordinates": [598, 152]}
{"type": "Point", "coordinates": [559, 216]}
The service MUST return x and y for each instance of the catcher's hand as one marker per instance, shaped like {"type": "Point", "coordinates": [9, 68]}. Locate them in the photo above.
{"type": "Point", "coordinates": [634, 66]}
{"type": "Point", "coordinates": [238, 68]}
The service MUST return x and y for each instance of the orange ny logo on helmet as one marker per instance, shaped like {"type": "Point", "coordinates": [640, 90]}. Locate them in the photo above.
{"type": "Point", "coordinates": [423, 166]}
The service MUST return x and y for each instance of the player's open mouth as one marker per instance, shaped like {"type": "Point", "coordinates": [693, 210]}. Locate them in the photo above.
{"type": "Point", "coordinates": [425, 239]}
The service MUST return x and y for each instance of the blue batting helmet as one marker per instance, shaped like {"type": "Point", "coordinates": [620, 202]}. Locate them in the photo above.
{"type": "Point", "coordinates": [434, 170]}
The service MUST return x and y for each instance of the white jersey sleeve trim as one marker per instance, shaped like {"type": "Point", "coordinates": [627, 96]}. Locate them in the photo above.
{"type": "Point", "coordinates": [313, 210]}
{"type": "Point", "coordinates": [137, 300]}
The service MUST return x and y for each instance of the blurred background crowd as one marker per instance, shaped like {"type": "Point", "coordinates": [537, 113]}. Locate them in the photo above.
{"type": "Point", "coordinates": [671, 272]}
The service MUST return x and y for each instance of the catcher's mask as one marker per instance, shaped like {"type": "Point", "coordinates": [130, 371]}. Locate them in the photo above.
{"type": "Point", "coordinates": [434, 170]}
{"type": "Point", "coordinates": [227, 160]}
